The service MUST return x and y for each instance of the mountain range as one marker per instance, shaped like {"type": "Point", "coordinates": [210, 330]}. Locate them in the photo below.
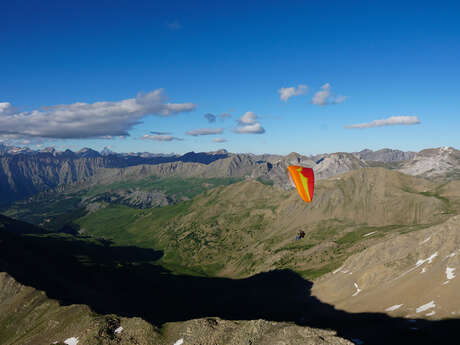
{"type": "Point", "coordinates": [24, 172]}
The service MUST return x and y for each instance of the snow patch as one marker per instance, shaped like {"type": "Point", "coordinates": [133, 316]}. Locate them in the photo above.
{"type": "Point", "coordinates": [424, 307]}
{"type": "Point", "coordinates": [337, 270]}
{"type": "Point", "coordinates": [450, 273]}
{"type": "Point", "coordinates": [179, 342]}
{"type": "Point", "coordinates": [423, 270]}
{"type": "Point", "coordinates": [419, 263]}
{"type": "Point", "coordinates": [394, 307]}
{"type": "Point", "coordinates": [429, 260]}
{"type": "Point", "coordinates": [358, 290]}
{"type": "Point", "coordinates": [425, 240]}
{"type": "Point", "coordinates": [118, 330]}
{"type": "Point", "coordinates": [342, 271]}
{"type": "Point", "coordinates": [370, 233]}
{"type": "Point", "coordinates": [451, 255]}
{"type": "Point", "coordinates": [71, 341]}
{"type": "Point", "coordinates": [430, 313]}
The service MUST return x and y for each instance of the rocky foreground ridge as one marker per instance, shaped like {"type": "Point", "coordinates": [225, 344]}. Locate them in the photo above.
{"type": "Point", "coordinates": [29, 317]}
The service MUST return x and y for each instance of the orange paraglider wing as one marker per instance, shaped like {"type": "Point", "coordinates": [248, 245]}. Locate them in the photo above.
{"type": "Point", "coordinates": [304, 180]}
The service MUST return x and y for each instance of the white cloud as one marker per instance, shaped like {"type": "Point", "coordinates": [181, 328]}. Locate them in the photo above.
{"type": "Point", "coordinates": [288, 92]}
{"type": "Point", "coordinates": [248, 118]}
{"type": "Point", "coordinates": [320, 98]}
{"type": "Point", "coordinates": [390, 121]}
{"type": "Point", "coordinates": [255, 128]}
{"type": "Point", "coordinates": [219, 140]}
{"type": "Point", "coordinates": [248, 124]}
{"type": "Point", "coordinates": [205, 131]}
{"type": "Point", "coordinates": [325, 97]}
{"type": "Point", "coordinates": [6, 108]}
{"type": "Point", "coordinates": [17, 140]}
{"type": "Point", "coordinates": [160, 137]}
{"type": "Point", "coordinates": [84, 120]}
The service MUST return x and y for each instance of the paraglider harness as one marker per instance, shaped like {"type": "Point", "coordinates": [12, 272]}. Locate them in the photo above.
{"type": "Point", "coordinates": [300, 235]}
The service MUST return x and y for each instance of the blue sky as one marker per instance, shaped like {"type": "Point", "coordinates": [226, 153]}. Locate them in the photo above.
{"type": "Point", "coordinates": [375, 60]}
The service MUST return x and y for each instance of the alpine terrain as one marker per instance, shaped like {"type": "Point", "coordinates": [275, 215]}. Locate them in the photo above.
{"type": "Point", "coordinates": [106, 248]}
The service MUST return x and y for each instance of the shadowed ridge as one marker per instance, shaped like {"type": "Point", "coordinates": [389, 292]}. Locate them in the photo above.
{"type": "Point", "coordinates": [19, 227]}
{"type": "Point", "coordinates": [124, 281]}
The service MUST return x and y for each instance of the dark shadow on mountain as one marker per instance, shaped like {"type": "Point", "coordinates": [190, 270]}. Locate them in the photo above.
{"type": "Point", "coordinates": [125, 281]}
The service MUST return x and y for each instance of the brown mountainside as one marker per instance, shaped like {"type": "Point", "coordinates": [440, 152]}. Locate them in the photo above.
{"type": "Point", "coordinates": [250, 227]}
{"type": "Point", "coordinates": [412, 275]}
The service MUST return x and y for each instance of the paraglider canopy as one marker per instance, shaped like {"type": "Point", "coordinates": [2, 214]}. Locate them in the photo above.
{"type": "Point", "coordinates": [304, 180]}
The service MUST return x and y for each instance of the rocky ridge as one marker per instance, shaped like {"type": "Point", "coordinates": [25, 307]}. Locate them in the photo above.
{"type": "Point", "coordinates": [29, 317]}
{"type": "Point", "coordinates": [385, 155]}
{"type": "Point", "coordinates": [442, 162]}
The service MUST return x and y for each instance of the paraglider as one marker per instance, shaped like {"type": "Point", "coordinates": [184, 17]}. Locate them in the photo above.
{"type": "Point", "coordinates": [300, 235]}
{"type": "Point", "coordinates": [304, 180]}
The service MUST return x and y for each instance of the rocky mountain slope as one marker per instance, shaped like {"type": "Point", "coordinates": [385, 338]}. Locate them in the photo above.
{"type": "Point", "coordinates": [250, 227]}
{"type": "Point", "coordinates": [24, 172]}
{"type": "Point", "coordinates": [235, 166]}
{"type": "Point", "coordinates": [440, 163]}
{"type": "Point", "coordinates": [385, 155]}
{"type": "Point", "coordinates": [412, 275]}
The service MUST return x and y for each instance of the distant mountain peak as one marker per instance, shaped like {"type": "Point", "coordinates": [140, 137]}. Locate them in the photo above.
{"type": "Point", "coordinates": [49, 149]}
{"type": "Point", "coordinates": [106, 151]}
{"type": "Point", "coordinates": [219, 152]}
{"type": "Point", "coordinates": [88, 153]}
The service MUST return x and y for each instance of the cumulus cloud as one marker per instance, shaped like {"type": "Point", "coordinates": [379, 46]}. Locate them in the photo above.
{"type": "Point", "coordinates": [84, 120]}
{"type": "Point", "coordinates": [248, 124]}
{"type": "Point", "coordinates": [288, 92]}
{"type": "Point", "coordinates": [210, 117]}
{"type": "Point", "coordinates": [6, 108]}
{"type": "Point", "coordinates": [160, 137]}
{"type": "Point", "coordinates": [205, 131]}
{"type": "Point", "coordinates": [255, 128]}
{"type": "Point", "coordinates": [248, 118]}
{"type": "Point", "coordinates": [325, 96]}
{"type": "Point", "coordinates": [225, 115]}
{"type": "Point", "coordinates": [390, 121]}
{"type": "Point", "coordinates": [219, 140]}
{"type": "Point", "coordinates": [17, 140]}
